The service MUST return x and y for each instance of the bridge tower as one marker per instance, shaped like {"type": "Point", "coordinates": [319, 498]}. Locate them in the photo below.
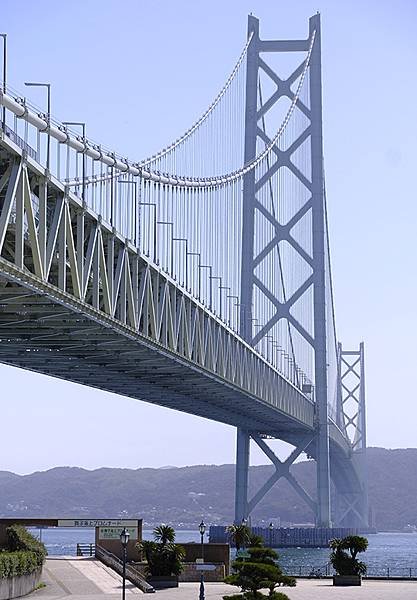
{"type": "Point", "coordinates": [351, 501]}
{"type": "Point", "coordinates": [314, 286]}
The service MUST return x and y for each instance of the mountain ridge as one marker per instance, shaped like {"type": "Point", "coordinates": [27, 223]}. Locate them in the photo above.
{"type": "Point", "coordinates": [182, 495]}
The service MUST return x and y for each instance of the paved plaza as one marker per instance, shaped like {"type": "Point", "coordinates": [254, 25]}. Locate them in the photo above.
{"type": "Point", "coordinates": [88, 579]}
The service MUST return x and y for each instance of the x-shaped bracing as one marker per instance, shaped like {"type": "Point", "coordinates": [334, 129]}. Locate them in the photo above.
{"type": "Point", "coordinates": [351, 391]}
{"type": "Point", "coordinates": [350, 506]}
{"type": "Point", "coordinates": [282, 469]}
{"type": "Point", "coordinates": [282, 231]}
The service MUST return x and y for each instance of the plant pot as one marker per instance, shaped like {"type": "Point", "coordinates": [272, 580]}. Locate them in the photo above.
{"type": "Point", "coordinates": [160, 582]}
{"type": "Point", "coordinates": [347, 580]}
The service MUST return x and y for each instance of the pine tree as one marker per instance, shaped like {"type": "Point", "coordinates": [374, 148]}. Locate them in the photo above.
{"type": "Point", "coordinates": [259, 571]}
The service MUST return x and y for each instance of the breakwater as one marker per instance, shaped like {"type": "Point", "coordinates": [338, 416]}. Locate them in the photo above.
{"type": "Point", "coordinates": [288, 537]}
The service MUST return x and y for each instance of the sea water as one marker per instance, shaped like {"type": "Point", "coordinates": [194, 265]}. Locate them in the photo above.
{"type": "Point", "coordinates": [388, 554]}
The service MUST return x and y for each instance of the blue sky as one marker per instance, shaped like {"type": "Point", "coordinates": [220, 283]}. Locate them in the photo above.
{"type": "Point", "coordinates": [138, 73]}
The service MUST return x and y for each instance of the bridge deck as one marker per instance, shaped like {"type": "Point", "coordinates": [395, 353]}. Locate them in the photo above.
{"type": "Point", "coordinates": [40, 334]}
{"type": "Point", "coordinates": [78, 302]}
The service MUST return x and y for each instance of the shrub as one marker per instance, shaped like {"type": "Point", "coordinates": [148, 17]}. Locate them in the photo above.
{"type": "Point", "coordinates": [24, 553]}
{"type": "Point", "coordinates": [257, 572]}
{"type": "Point", "coordinates": [163, 556]}
{"type": "Point", "coordinates": [344, 555]}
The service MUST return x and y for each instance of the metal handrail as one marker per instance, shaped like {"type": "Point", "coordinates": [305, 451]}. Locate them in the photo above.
{"type": "Point", "coordinates": [86, 549]}
{"type": "Point", "coordinates": [132, 574]}
{"type": "Point", "coordinates": [373, 572]}
{"type": "Point", "coordinates": [16, 139]}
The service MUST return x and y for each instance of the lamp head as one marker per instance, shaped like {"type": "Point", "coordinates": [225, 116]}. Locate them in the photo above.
{"type": "Point", "coordinates": [124, 537]}
{"type": "Point", "coordinates": [202, 527]}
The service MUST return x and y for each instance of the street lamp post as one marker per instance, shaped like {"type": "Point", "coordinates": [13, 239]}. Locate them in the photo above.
{"type": "Point", "coordinates": [48, 144]}
{"type": "Point", "coordinates": [202, 529]}
{"type": "Point", "coordinates": [124, 538]}
{"type": "Point", "coordinates": [4, 36]}
{"type": "Point", "coordinates": [82, 125]}
{"type": "Point", "coordinates": [271, 529]}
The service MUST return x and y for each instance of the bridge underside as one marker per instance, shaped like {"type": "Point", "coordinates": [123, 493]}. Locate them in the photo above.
{"type": "Point", "coordinates": [41, 334]}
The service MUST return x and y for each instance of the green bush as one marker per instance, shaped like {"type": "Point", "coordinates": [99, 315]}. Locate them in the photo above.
{"type": "Point", "coordinates": [257, 571]}
{"type": "Point", "coordinates": [163, 556]}
{"type": "Point", "coordinates": [24, 553]}
{"type": "Point", "coordinates": [344, 555]}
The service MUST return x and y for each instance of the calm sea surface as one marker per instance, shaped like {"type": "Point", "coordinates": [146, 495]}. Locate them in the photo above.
{"type": "Point", "coordinates": [394, 551]}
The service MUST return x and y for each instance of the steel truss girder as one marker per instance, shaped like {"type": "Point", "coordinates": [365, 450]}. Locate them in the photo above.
{"type": "Point", "coordinates": [73, 260]}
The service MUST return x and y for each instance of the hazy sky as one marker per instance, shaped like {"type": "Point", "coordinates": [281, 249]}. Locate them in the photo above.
{"type": "Point", "coordinates": [138, 73]}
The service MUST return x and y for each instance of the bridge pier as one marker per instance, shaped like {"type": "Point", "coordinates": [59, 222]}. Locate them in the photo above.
{"type": "Point", "coordinates": [242, 473]}
{"type": "Point", "coordinates": [243, 506]}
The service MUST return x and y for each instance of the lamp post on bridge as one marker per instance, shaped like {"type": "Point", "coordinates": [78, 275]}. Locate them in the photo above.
{"type": "Point", "coordinates": [124, 538]}
{"type": "Point", "coordinates": [184, 241]}
{"type": "Point", "coordinates": [199, 272]}
{"type": "Point", "coordinates": [154, 226]}
{"type": "Point", "coordinates": [212, 278]}
{"type": "Point", "coordinates": [170, 224]}
{"type": "Point", "coordinates": [272, 340]}
{"type": "Point", "coordinates": [135, 202]}
{"type": "Point", "coordinates": [237, 304]}
{"type": "Point", "coordinates": [210, 268]}
{"type": "Point", "coordinates": [202, 529]}
{"type": "Point", "coordinates": [4, 36]}
{"type": "Point", "coordinates": [82, 125]}
{"type": "Point", "coordinates": [48, 116]}
{"type": "Point", "coordinates": [227, 315]}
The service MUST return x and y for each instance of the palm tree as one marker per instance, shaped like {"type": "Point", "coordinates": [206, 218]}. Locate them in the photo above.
{"type": "Point", "coordinates": [147, 548]}
{"type": "Point", "coordinates": [163, 556]}
{"type": "Point", "coordinates": [239, 535]}
{"type": "Point", "coordinates": [164, 534]}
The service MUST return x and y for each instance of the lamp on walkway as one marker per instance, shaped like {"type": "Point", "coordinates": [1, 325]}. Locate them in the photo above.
{"type": "Point", "coordinates": [271, 529]}
{"type": "Point", "coordinates": [124, 538]}
{"type": "Point", "coordinates": [202, 529]}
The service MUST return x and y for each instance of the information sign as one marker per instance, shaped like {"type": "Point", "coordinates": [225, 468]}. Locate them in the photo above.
{"type": "Point", "coordinates": [97, 523]}
{"type": "Point", "coordinates": [205, 567]}
{"type": "Point", "coordinates": [113, 533]}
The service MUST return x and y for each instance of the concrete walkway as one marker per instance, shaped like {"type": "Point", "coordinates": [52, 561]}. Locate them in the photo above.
{"type": "Point", "coordinates": [88, 579]}
{"type": "Point", "coordinates": [81, 578]}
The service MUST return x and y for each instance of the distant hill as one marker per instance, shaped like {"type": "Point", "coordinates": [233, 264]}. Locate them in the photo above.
{"type": "Point", "coordinates": [181, 496]}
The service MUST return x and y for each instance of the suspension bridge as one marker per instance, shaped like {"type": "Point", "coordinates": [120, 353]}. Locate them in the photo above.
{"type": "Point", "coordinates": [198, 278]}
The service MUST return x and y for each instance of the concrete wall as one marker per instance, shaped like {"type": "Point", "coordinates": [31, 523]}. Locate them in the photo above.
{"type": "Point", "coordinates": [190, 572]}
{"type": "Point", "coordinates": [213, 553]}
{"type": "Point", "coordinates": [115, 547]}
{"type": "Point", "coordinates": [14, 587]}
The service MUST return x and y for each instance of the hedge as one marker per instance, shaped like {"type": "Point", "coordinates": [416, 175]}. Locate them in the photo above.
{"type": "Point", "coordinates": [24, 553]}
